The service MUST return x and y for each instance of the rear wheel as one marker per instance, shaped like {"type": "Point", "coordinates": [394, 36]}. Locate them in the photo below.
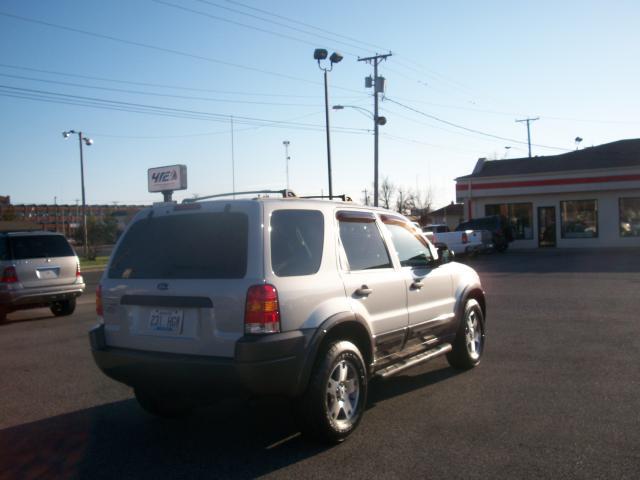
{"type": "Point", "coordinates": [334, 402]}
{"type": "Point", "coordinates": [3, 314]}
{"type": "Point", "coordinates": [63, 307]}
{"type": "Point", "coordinates": [162, 405]}
{"type": "Point", "coordinates": [468, 345]}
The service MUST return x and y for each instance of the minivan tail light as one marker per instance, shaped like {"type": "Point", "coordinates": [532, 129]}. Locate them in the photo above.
{"type": "Point", "coordinates": [9, 275]}
{"type": "Point", "coordinates": [78, 272]}
{"type": "Point", "coordinates": [99, 307]}
{"type": "Point", "coordinates": [262, 311]}
{"type": "Point", "coordinates": [465, 237]}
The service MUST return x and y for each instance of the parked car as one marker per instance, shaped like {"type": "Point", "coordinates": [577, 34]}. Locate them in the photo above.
{"type": "Point", "coordinates": [38, 269]}
{"type": "Point", "coordinates": [306, 299]}
{"type": "Point", "coordinates": [466, 242]}
{"type": "Point", "coordinates": [498, 225]}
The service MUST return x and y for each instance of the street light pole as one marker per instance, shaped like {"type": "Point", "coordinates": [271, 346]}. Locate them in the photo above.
{"type": "Point", "coordinates": [321, 54]}
{"type": "Point", "coordinates": [326, 116]}
{"type": "Point", "coordinates": [286, 159]}
{"type": "Point", "coordinates": [88, 142]}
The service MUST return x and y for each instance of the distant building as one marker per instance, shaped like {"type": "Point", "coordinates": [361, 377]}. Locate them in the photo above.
{"type": "Point", "coordinates": [584, 198]}
{"type": "Point", "coordinates": [450, 215]}
{"type": "Point", "coordinates": [64, 218]}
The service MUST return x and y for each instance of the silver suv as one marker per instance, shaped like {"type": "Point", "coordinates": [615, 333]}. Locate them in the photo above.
{"type": "Point", "coordinates": [38, 269]}
{"type": "Point", "coordinates": [309, 299]}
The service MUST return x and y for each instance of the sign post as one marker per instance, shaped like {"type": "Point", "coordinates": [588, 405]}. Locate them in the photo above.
{"type": "Point", "coordinates": [167, 180]}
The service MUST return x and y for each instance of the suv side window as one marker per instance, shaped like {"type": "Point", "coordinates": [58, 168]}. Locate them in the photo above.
{"type": "Point", "coordinates": [297, 238]}
{"type": "Point", "coordinates": [362, 241]}
{"type": "Point", "coordinates": [411, 247]}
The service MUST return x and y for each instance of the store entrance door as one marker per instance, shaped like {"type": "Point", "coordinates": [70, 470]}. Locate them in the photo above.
{"type": "Point", "coordinates": [546, 226]}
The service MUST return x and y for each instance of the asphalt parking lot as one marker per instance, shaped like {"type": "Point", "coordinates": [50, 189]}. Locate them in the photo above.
{"type": "Point", "coordinates": [557, 396]}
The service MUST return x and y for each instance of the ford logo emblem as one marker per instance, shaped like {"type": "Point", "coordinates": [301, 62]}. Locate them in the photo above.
{"type": "Point", "coordinates": [163, 286]}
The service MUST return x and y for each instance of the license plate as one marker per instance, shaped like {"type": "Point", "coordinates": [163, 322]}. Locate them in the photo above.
{"type": "Point", "coordinates": [166, 321]}
{"type": "Point", "coordinates": [48, 273]}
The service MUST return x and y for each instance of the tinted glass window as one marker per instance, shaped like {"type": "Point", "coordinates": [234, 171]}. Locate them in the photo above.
{"type": "Point", "coordinates": [201, 245]}
{"type": "Point", "coordinates": [363, 243]}
{"type": "Point", "coordinates": [579, 218]}
{"type": "Point", "coordinates": [39, 246]}
{"type": "Point", "coordinates": [629, 217]}
{"type": "Point", "coordinates": [297, 237]}
{"type": "Point", "coordinates": [410, 246]}
{"type": "Point", "coordinates": [4, 249]}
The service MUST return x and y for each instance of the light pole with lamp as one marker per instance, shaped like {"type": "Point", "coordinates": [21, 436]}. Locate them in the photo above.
{"type": "Point", "coordinates": [87, 142]}
{"type": "Point", "coordinates": [321, 54]}
{"type": "Point", "coordinates": [377, 120]}
{"type": "Point", "coordinates": [286, 144]}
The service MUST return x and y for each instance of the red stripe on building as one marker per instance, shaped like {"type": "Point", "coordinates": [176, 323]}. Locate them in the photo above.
{"type": "Point", "coordinates": [542, 183]}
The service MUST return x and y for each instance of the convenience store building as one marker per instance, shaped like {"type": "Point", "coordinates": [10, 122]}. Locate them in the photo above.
{"type": "Point", "coordinates": [584, 198]}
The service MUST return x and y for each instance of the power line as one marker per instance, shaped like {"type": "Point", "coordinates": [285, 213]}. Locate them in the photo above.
{"type": "Point", "coordinates": [472, 130]}
{"type": "Point", "coordinates": [166, 50]}
{"type": "Point", "coordinates": [167, 111]}
{"type": "Point", "coordinates": [138, 92]}
{"type": "Point", "coordinates": [233, 22]}
{"type": "Point", "coordinates": [157, 85]}
{"type": "Point", "coordinates": [282, 17]}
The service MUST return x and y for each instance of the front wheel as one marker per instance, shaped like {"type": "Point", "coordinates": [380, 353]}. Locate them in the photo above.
{"type": "Point", "coordinates": [63, 307]}
{"type": "Point", "coordinates": [468, 345]}
{"type": "Point", "coordinates": [333, 405]}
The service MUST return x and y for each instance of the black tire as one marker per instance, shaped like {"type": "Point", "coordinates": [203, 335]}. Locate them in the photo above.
{"type": "Point", "coordinates": [468, 345]}
{"type": "Point", "coordinates": [332, 415]}
{"type": "Point", "coordinates": [63, 307]}
{"type": "Point", "coordinates": [162, 405]}
{"type": "Point", "coordinates": [3, 314]}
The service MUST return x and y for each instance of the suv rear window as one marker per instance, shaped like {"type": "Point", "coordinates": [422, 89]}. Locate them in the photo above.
{"type": "Point", "coordinates": [297, 237]}
{"type": "Point", "coordinates": [39, 246]}
{"type": "Point", "coordinates": [200, 245]}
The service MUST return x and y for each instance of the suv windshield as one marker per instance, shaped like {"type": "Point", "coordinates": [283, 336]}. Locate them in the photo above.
{"type": "Point", "coordinates": [37, 246]}
{"type": "Point", "coordinates": [196, 245]}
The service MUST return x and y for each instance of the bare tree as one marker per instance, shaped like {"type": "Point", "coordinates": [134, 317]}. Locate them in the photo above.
{"type": "Point", "coordinates": [423, 199]}
{"type": "Point", "coordinates": [387, 189]}
{"type": "Point", "coordinates": [404, 199]}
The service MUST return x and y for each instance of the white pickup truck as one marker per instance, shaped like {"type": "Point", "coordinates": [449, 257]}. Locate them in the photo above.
{"type": "Point", "coordinates": [463, 242]}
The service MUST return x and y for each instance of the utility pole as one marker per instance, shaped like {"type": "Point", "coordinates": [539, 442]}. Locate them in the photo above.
{"type": "Point", "coordinates": [528, 120]}
{"type": "Point", "coordinates": [366, 197]}
{"type": "Point", "coordinates": [378, 87]}
{"type": "Point", "coordinates": [287, 158]}
{"type": "Point", "coordinates": [233, 163]}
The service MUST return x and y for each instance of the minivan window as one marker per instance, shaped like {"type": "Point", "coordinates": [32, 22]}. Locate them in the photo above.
{"type": "Point", "coordinates": [39, 246]}
{"type": "Point", "coordinates": [362, 242]}
{"type": "Point", "coordinates": [297, 238]}
{"type": "Point", "coordinates": [194, 245]}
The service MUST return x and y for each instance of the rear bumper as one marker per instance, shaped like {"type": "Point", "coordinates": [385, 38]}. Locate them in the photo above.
{"type": "Point", "coordinates": [25, 297]}
{"type": "Point", "coordinates": [263, 365]}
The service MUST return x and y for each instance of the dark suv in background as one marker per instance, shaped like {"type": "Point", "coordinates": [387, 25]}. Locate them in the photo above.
{"type": "Point", "coordinates": [38, 269]}
{"type": "Point", "coordinates": [498, 225]}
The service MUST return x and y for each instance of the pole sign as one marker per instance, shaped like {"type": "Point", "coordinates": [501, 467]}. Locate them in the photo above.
{"type": "Point", "coordinates": [166, 179]}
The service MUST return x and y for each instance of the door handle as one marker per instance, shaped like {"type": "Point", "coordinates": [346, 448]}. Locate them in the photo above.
{"type": "Point", "coordinates": [364, 291]}
{"type": "Point", "coordinates": [417, 285]}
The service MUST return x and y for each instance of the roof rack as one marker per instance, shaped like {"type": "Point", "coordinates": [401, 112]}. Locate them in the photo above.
{"type": "Point", "coordinates": [343, 197]}
{"type": "Point", "coordinates": [285, 194]}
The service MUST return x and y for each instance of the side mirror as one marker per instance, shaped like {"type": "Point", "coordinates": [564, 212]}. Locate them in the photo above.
{"type": "Point", "coordinates": [444, 254]}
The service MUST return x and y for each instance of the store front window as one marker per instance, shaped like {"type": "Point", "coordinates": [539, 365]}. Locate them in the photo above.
{"type": "Point", "coordinates": [579, 218]}
{"type": "Point", "coordinates": [629, 210]}
{"type": "Point", "coordinates": [520, 216]}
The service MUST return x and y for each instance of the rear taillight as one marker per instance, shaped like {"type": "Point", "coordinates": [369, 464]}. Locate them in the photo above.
{"type": "Point", "coordinates": [78, 272]}
{"type": "Point", "coordinates": [262, 312]}
{"type": "Point", "coordinates": [465, 237]}
{"type": "Point", "coordinates": [9, 275]}
{"type": "Point", "coordinates": [99, 308]}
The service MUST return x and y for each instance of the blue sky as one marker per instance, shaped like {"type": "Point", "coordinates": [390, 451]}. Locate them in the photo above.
{"type": "Point", "coordinates": [479, 65]}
